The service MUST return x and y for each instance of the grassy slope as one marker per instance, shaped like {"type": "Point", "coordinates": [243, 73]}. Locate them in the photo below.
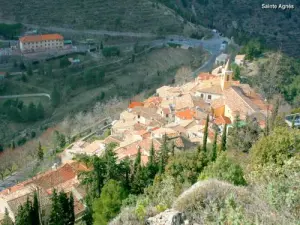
{"type": "Point", "coordinates": [121, 15]}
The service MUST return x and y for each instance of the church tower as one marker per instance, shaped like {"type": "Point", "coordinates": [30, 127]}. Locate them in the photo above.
{"type": "Point", "coordinates": [226, 77]}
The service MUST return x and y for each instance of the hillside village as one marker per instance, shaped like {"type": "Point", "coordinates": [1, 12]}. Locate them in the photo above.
{"type": "Point", "coordinates": [180, 113]}
{"type": "Point", "coordinates": [177, 113]}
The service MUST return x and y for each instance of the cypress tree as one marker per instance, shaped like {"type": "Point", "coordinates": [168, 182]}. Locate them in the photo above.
{"type": "Point", "coordinates": [55, 214]}
{"type": "Point", "coordinates": [137, 162]}
{"type": "Point", "coordinates": [224, 138]}
{"type": "Point", "coordinates": [214, 148]}
{"type": "Point", "coordinates": [163, 155]}
{"type": "Point", "coordinates": [205, 135]}
{"type": "Point", "coordinates": [35, 210]}
{"type": "Point", "coordinates": [151, 159]}
{"type": "Point", "coordinates": [40, 152]}
{"type": "Point", "coordinates": [24, 216]}
{"type": "Point", "coordinates": [71, 212]}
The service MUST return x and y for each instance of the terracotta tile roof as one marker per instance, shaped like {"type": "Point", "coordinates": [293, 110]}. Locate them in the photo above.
{"type": "Point", "coordinates": [139, 126]}
{"type": "Point", "coordinates": [178, 142]}
{"type": "Point", "coordinates": [214, 89]}
{"type": "Point", "coordinates": [184, 101]}
{"type": "Point", "coordinates": [163, 130]}
{"type": "Point", "coordinates": [43, 37]}
{"type": "Point", "coordinates": [222, 120]}
{"type": "Point", "coordinates": [112, 139]}
{"type": "Point", "coordinates": [135, 104]}
{"type": "Point", "coordinates": [152, 102]}
{"type": "Point", "coordinates": [186, 114]}
{"type": "Point", "coordinates": [205, 76]}
{"type": "Point", "coordinates": [93, 147]}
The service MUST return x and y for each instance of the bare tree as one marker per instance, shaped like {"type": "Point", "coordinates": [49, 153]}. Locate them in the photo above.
{"type": "Point", "coordinates": [183, 75]}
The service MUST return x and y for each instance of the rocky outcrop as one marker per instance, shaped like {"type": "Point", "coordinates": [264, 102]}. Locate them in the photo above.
{"type": "Point", "coordinates": [168, 217]}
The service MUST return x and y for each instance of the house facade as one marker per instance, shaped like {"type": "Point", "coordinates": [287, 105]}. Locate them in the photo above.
{"type": "Point", "coordinates": [33, 43]}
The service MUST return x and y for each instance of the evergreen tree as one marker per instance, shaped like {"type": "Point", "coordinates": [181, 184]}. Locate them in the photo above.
{"type": "Point", "coordinates": [110, 159]}
{"type": "Point", "coordinates": [199, 149]}
{"type": "Point", "coordinates": [55, 97]}
{"type": "Point", "coordinates": [40, 152]}
{"type": "Point", "coordinates": [40, 112]}
{"type": "Point", "coordinates": [151, 158]}
{"type": "Point", "coordinates": [137, 162]}
{"type": "Point", "coordinates": [71, 213]}
{"type": "Point", "coordinates": [35, 214]}
{"type": "Point", "coordinates": [163, 155]}
{"type": "Point", "coordinates": [214, 148]}
{"type": "Point", "coordinates": [133, 58]}
{"type": "Point", "coordinates": [101, 45]}
{"type": "Point", "coordinates": [205, 134]}
{"type": "Point", "coordinates": [32, 112]}
{"type": "Point", "coordinates": [1, 148]}
{"type": "Point", "coordinates": [24, 215]}
{"type": "Point", "coordinates": [6, 220]}
{"type": "Point", "coordinates": [109, 204]}
{"type": "Point", "coordinates": [224, 138]}
{"type": "Point", "coordinates": [55, 217]}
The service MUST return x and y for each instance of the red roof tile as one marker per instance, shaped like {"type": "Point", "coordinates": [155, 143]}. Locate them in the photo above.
{"type": "Point", "coordinates": [135, 104]}
{"type": "Point", "coordinates": [222, 120]}
{"type": "Point", "coordinates": [43, 37]}
{"type": "Point", "coordinates": [186, 114]}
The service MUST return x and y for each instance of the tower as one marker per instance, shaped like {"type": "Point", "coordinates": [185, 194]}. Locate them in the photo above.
{"type": "Point", "coordinates": [226, 77]}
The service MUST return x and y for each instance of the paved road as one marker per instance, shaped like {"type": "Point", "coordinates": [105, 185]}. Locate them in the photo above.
{"type": "Point", "coordinates": [26, 96]}
{"type": "Point", "coordinates": [94, 32]}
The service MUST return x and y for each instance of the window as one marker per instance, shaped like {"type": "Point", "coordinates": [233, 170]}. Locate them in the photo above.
{"type": "Point", "coordinates": [202, 96]}
{"type": "Point", "coordinates": [209, 97]}
{"type": "Point", "coordinates": [139, 116]}
{"type": "Point", "coordinates": [167, 115]}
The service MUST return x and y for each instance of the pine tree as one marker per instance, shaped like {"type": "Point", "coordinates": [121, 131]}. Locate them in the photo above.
{"type": "Point", "coordinates": [224, 139]}
{"type": "Point", "coordinates": [151, 158]}
{"type": "Point", "coordinates": [205, 135]}
{"type": "Point", "coordinates": [199, 149]}
{"type": "Point", "coordinates": [214, 148]}
{"type": "Point", "coordinates": [40, 112]}
{"type": "Point", "coordinates": [40, 152]}
{"type": "Point", "coordinates": [6, 220]}
{"type": "Point", "coordinates": [101, 45]}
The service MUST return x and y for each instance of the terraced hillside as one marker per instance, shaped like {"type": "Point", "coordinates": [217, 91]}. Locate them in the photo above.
{"type": "Point", "coordinates": [244, 19]}
{"type": "Point", "coordinates": [117, 15]}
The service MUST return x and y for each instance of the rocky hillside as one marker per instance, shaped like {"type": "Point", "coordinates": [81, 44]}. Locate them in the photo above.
{"type": "Point", "coordinates": [244, 19]}
{"type": "Point", "coordinates": [117, 15]}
